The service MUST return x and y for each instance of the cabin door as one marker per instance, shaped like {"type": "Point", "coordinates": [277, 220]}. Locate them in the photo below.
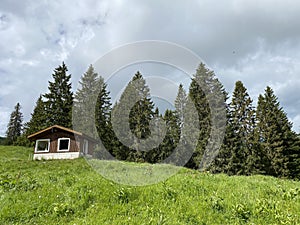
{"type": "Point", "coordinates": [85, 147]}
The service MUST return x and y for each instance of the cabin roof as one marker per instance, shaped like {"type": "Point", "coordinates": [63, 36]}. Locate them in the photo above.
{"type": "Point", "coordinates": [32, 136]}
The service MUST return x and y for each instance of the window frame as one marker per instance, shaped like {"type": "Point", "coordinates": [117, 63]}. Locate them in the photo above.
{"type": "Point", "coordinates": [58, 144]}
{"type": "Point", "coordinates": [36, 145]}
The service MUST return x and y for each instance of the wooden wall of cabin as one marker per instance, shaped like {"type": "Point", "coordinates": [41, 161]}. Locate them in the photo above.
{"type": "Point", "coordinates": [74, 144]}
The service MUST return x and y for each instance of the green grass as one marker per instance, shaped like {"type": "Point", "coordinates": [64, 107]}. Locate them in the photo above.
{"type": "Point", "coordinates": [71, 192]}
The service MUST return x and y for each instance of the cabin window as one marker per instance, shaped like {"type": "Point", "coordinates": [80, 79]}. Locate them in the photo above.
{"type": "Point", "coordinates": [63, 144]}
{"type": "Point", "coordinates": [42, 145]}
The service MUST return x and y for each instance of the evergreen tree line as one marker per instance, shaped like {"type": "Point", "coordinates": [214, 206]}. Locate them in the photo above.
{"type": "Point", "coordinates": [257, 140]}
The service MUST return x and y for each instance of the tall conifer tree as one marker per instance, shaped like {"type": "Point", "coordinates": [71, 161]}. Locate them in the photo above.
{"type": "Point", "coordinates": [205, 86]}
{"type": "Point", "coordinates": [38, 118]}
{"type": "Point", "coordinates": [279, 143]}
{"type": "Point", "coordinates": [139, 118]}
{"type": "Point", "coordinates": [172, 136]}
{"type": "Point", "coordinates": [15, 125]}
{"type": "Point", "coordinates": [84, 102]}
{"type": "Point", "coordinates": [242, 123]}
{"type": "Point", "coordinates": [103, 117]}
{"type": "Point", "coordinates": [220, 163]}
{"type": "Point", "coordinates": [59, 100]}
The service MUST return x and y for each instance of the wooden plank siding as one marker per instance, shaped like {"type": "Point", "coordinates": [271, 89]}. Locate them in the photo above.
{"type": "Point", "coordinates": [74, 144]}
{"type": "Point", "coordinates": [55, 132]}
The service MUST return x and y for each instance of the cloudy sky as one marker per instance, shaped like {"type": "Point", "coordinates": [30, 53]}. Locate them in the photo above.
{"type": "Point", "coordinates": [257, 42]}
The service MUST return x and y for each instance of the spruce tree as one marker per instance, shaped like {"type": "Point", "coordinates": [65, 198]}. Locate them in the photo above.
{"type": "Point", "coordinates": [119, 150]}
{"type": "Point", "coordinates": [180, 113]}
{"type": "Point", "coordinates": [155, 155]}
{"type": "Point", "coordinates": [172, 135]}
{"type": "Point", "coordinates": [14, 127]}
{"type": "Point", "coordinates": [84, 102]}
{"type": "Point", "coordinates": [217, 101]}
{"type": "Point", "coordinates": [205, 86]}
{"type": "Point", "coordinates": [185, 114]}
{"type": "Point", "coordinates": [242, 122]}
{"type": "Point", "coordinates": [59, 100]}
{"type": "Point", "coordinates": [142, 111]}
{"type": "Point", "coordinates": [279, 143]}
{"type": "Point", "coordinates": [198, 97]}
{"type": "Point", "coordinates": [38, 118]}
{"type": "Point", "coordinates": [138, 117]}
{"type": "Point", "coordinates": [103, 117]}
{"type": "Point", "coordinates": [293, 153]}
{"type": "Point", "coordinates": [220, 163]}
{"type": "Point", "coordinates": [184, 154]}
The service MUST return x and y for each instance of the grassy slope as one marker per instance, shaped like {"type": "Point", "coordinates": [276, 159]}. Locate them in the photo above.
{"type": "Point", "coordinates": [70, 192]}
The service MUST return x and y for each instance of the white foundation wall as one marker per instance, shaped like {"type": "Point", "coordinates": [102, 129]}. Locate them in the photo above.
{"type": "Point", "coordinates": [65, 155]}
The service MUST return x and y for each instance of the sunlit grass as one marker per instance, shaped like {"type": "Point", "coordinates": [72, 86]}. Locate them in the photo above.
{"type": "Point", "coordinates": [72, 192]}
{"type": "Point", "coordinates": [134, 174]}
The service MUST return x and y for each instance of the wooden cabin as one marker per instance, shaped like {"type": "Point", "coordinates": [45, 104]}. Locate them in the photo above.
{"type": "Point", "coordinates": [57, 142]}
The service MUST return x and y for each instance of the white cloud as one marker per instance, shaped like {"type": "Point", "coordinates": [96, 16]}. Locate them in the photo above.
{"type": "Point", "coordinates": [256, 42]}
{"type": "Point", "coordinates": [4, 118]}
{"type": "Point", "coordinates": [296, 121]}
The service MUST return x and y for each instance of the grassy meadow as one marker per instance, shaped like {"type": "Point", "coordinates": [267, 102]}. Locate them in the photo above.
{"type": "Point", "coordinates": [71, 192]}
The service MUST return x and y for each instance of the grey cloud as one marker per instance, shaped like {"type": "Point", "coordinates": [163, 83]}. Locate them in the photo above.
{"type": "Point", "coordinates": [256, 42]}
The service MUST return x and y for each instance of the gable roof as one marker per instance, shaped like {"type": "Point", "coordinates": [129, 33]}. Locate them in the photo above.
{"type": "Point", "coordinates": [61, 128]}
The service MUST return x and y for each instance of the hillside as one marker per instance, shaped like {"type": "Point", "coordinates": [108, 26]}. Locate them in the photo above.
{"type": "Point", "coordinates": [70, 192]}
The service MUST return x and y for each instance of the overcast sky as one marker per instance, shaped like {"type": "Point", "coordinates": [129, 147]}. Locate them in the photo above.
{"type": "Point", "coordinates": [257, 42]}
